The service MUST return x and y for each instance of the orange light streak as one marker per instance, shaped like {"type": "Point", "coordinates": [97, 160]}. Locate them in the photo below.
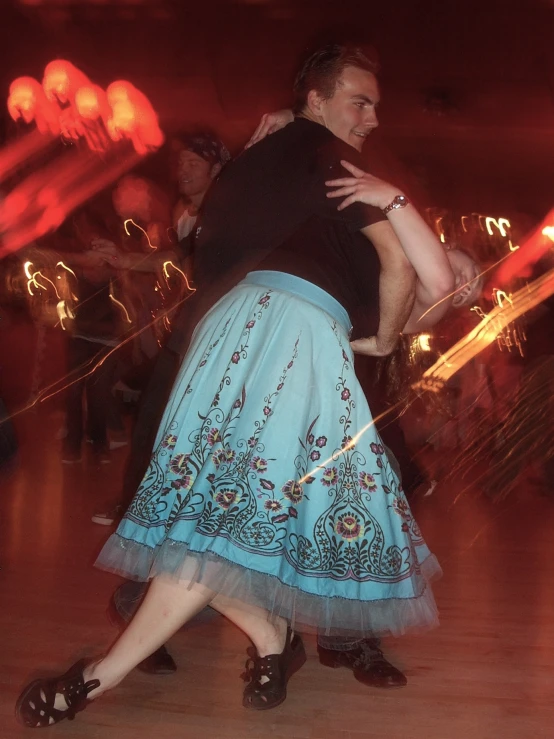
{"type": "Point", "coordinates": [423, 341]}
{"type": "Point", "coordinates": [50, 281]}
{"type": "Point", "coordinates": [508, 338]}
{"type": "Point", "coordinates": [32, 279]}
{"type": "Point", "coordinates": [501, 224]}
{"type": "Point", "coordinates": [123, 308]}
{"type": "Point", "coordinates": [130, 220]}
{"type": "Point", "coordinates": [64, 312]}
{"type": "Point", "coordinates": [499, 296]}
{"type": "Point", "coordinates": [439, 229]}
{"type": "Point", "coordinates": [480, 312]}
{"type": "Point", "coordinates": [487, 331]}
{"type": "Point", "coordinates": [180, 271]}
{"type": "Point", "coordinates": [61, 264]}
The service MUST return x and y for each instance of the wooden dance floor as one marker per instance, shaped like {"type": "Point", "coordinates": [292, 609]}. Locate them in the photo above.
{"type": "Point", "coordinates": [486, 673]}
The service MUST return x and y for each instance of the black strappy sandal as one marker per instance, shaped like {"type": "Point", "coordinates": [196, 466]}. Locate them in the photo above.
{"type": "Point", "coordinates": [278, 668]}
{"type": "Point", "coordinates": [35, 706]}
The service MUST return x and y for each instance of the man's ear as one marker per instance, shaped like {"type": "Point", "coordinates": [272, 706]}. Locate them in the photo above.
{"type": "Point", "coordinates": [314, 102]}
{"type": "Point", "coordinates": [215, 170]}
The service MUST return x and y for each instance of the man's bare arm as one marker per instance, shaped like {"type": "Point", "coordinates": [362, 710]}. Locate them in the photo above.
{"type": "Point", "coordinates": [397, 284]}
{"type": "Point", "coordinates": [138, 262]}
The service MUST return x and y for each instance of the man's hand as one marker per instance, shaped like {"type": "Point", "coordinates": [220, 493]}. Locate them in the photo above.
{"type": "Point", "coordinates": [108, 252]}
{"type": "Point", "coordinates": [91, 259]}
{"type": "Point", "coordinates": [375, 346]}
{"type": "Point", "coordinates": [270, 123]}
{"type": "Point", "coordinates": [104, 245]}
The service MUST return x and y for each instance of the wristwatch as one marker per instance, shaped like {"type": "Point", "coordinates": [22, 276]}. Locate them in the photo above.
{"type": "Point", "coordinates": [400, 201]}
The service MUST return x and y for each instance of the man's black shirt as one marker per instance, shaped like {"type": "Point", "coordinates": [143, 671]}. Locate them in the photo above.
{"type": "Point", "coordinates": [269, 210]}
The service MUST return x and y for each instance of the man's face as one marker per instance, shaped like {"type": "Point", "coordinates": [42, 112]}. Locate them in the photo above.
{"type": "Point", "coordinates": [194, 174]}
{"type": "Point", "coordinates": [350, 112]}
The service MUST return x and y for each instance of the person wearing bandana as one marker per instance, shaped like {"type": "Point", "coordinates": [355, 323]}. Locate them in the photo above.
{"type": "Point", "coordinates": [199, 159]}
{"type": "Point", "coordinates": [196, 161]}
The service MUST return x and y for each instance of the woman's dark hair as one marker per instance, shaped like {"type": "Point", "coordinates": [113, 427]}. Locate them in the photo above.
{"type": "Point", "coordinates": [322, 70]}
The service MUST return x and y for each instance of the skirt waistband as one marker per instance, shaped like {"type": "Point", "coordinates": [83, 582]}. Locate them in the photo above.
{"type": "Point", "coordinates": [303, 289]}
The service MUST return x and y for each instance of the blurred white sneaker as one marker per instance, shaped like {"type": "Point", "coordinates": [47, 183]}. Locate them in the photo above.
{"type": "Point", "coordinates": [108, 518]}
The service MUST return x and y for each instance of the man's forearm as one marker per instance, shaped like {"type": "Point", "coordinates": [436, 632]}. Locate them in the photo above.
{"type": "Point", "coordinates": [396, 300]}
{"type": "Point", "coordinates": [397, 281]}
{"type": "Point", "coordinates": [152, 262]}
{"type": "Point", "coordinates": [139, 262]}
{"type": "Point", "coordinates": [76, 259]}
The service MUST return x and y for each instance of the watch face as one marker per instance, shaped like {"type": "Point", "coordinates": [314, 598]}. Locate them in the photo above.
{"type": "Point", "coordinates": [400, 201]}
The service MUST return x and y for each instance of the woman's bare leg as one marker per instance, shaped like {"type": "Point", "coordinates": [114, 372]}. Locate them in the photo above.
{"type": "Point", "coordinates": [168, 605]}
{"type": "Point", "coordinates": [267, 636]}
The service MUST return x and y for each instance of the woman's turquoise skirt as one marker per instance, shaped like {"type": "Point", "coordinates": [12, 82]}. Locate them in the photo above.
{"type": "Point", "coordinates": [269, 483]}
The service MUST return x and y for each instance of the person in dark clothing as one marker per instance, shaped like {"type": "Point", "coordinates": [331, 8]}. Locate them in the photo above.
{"type": "Point", "coordinates": [95, 333]}
{"type": "Point", "coordinates": [97, 325]}
{"type": "Point", "coordinates": [200, 159]}
{"type": "Point", "coordinates": [8, 440]}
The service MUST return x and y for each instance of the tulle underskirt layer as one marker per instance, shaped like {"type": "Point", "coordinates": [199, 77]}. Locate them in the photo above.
{"type": "Point", "coordinates": [305, 611]}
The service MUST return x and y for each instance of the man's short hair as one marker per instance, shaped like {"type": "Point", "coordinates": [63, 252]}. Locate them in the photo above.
{"type": "Point", "coordinates": [322, 70]}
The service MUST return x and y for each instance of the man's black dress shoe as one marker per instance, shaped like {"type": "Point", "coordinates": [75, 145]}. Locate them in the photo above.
{"type": "Point", "coordinates": [367, 662]}
{"type": "Point", "coordinates": [120, 612]}
{"type": "Point", "coordinates": [159, 663]}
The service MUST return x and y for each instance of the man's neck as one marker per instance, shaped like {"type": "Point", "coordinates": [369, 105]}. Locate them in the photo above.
{"type": "Point", "coordinates": [309, 116]}
{"type": "Point", "coordinates": [195, 201]}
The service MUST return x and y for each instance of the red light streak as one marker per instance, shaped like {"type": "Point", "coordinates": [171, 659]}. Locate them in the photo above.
{"type": "Point", "coordinates": [522, 258]}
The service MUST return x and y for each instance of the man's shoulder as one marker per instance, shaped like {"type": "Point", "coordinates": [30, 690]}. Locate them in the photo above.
{"type": "Point", "coordinates": [292, 148]}
{"type": "Point", "coordinates": [332, 150]}
{"type": "Point", "coordinates": [300, 134]}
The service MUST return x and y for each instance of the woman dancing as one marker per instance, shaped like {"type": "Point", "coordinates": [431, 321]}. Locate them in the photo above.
{"type": "Point", "coordinates": [269, 495]}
